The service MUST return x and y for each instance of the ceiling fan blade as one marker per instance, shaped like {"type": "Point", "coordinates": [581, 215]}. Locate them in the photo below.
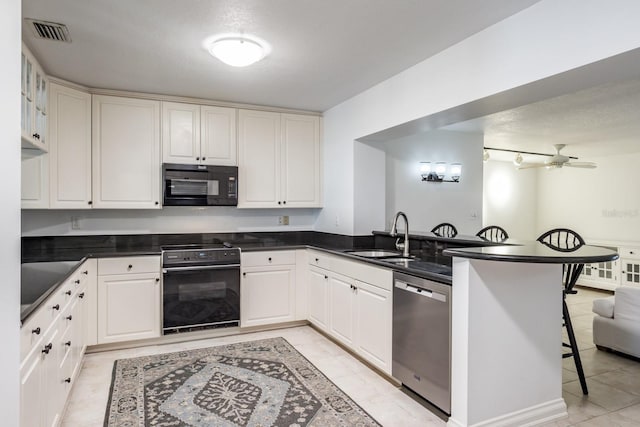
{"type": "Point", "coordinates": [532, 165]}
{"type": "Point", "coordinates": [586, 165]}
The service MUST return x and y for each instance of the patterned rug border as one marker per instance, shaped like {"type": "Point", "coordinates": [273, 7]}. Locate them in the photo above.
{"type": "Point", "coordinates": [115, 367]}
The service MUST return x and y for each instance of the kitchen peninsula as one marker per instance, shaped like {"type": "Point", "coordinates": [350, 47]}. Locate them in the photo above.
{"type": "Point", "coordinates": [506, 304]}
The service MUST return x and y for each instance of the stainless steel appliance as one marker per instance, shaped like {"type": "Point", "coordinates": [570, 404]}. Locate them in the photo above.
{"type": "Point", "coordinates": [199, 185]}
{"type": "Point", "coordinates": [201, 287]}
{"type": "Point", "coordinates": [422, 338]}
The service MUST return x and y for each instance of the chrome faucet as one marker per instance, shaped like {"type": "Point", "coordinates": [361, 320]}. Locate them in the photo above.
{"type": "Point", "coordinates": [404, 246]}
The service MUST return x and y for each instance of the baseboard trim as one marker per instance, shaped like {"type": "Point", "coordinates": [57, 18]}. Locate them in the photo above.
{"type": "Point", "coordinates": [529, 417]}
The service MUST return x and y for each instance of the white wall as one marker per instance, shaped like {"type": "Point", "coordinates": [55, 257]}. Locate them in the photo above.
{"type": "Point", "coordinates": [10, 211]}
{"type": "Point", "coordinates": [601, 204]}
{"type": "Point", "coordinates": [511, 199]}
{"type": "Point", "coordinates": [168, 220]}
{"type": "Point", "coordinates": [426, 203]}
{"type": "Point", "coordinates": [546, 39]}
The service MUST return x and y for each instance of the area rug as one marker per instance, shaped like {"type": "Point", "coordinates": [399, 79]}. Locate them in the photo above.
{"type": "Point", "coordinates": [257, 383]}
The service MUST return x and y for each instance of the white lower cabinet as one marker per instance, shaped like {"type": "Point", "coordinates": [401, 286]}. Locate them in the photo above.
{"type": "Point", "coordinates": [128, 306]}
{"type": "Point", "coordinates": [352, 301]}
{"type": "Point", "coordinates": [318, 293]}
{"type": "Point", "coordinates": [267, 288]}
{"type": "Point", "coordinates": [53, 341]}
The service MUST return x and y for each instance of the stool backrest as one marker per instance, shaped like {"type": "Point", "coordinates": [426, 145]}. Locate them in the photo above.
{"type": "Point", "coordinates": [565, 240]}
{"type": "Point", "coordinates": [445, 230]}
{"type": "Point", "coordinates": [494, 233]}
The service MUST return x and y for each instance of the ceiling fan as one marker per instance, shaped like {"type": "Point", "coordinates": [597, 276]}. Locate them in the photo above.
{"type": "Point", "coordinates": [558, 160]}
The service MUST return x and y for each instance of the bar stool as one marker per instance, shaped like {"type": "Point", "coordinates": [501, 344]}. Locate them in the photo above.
{"type": "Point", "coordinates": [493, 233]}
{"type": "Point", "coordinates": [445, 230]}
{"type": "Point", "coordinates": [565, 240]}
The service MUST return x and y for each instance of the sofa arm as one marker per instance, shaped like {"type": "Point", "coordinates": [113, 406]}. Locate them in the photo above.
{"type": "Point", "coordinates": [604, 306]}
{"type": "Point", "coordinates": [627, 303]}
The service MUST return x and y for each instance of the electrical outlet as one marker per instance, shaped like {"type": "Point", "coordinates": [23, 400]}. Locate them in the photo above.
{"type": "Point", "coordinates": [283, 220]}
{"type": "Point", "coordinates": [75, 223]}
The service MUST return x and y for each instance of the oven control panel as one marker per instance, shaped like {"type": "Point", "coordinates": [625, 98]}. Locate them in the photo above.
{"type": "Point", "coordinates": [200, 257]}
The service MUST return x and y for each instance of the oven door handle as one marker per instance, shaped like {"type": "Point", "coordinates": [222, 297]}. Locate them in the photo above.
{"type": "Point", "coordinates": [200, 267]}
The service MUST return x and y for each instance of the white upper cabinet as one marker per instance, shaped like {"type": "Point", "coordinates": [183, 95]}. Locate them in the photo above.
{"type": "Point", "coordinates": [301, 184]}
{"type": "Point", "coordinates": [193, 134]}
{"type": "Point", "coordinates": [279, 160]}
{"type": "Point", "coordinates": [126, 152]}
{"type": "Point", "coordinates": [33, 89]}
{"type": "Point", "coordinates": [70, 148]}
{"type": "Point", "coordinates": [35, 178]}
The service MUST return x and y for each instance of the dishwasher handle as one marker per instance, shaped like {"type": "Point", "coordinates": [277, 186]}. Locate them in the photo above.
{"type": "Point", "coordinates": [420, 291]}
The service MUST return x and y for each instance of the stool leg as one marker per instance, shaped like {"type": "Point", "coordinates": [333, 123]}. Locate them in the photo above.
{"type": "Point", "coordinates": [574, 347]}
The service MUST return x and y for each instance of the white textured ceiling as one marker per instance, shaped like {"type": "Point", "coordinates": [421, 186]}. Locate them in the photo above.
{"type": "Point", "coordinates": [603, 120]}
{"type": "Point", "coordinates": [324, 51]}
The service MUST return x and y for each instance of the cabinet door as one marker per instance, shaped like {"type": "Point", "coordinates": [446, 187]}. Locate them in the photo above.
{"type": "Point", "coordinates": [26, 94]}
{"type": "Point", "coordinates": [301, 183]}
{"type": "Point", "coordinates": [630, 272]}
{"type": "Point", "coordinates": [180, 133]}
{"type": "Point", "coordinates": [126, 152]}
{"type": "Point", "coordinates": [128, 307]}
{"type": "Point", "coordinates": [32, 400]}
{"type": "Point", "coordinates": [342, 308]}
{"type": "Point", "coordinates": [318, 292]}
{"type": "Point", "coordinates": [259, 159]}
{"type": "Point", "coordinates": [34, 178]}
{"type": "Point", "coordinates": [267, 296]}
{"type": "Point", "coordinates": [70, 148]}
{"type": "Point", "coordinates": [373, 325]}
{"type": "Point", "coordinates": [218, 136]}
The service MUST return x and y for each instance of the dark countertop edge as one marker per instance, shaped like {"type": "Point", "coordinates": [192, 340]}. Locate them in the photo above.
{"type": "Point", "coordinates": [24, 314]}
{"type": "Point", "coordinates": [561, 258]}
{"type": "Point", "coordinates": [459, 239]}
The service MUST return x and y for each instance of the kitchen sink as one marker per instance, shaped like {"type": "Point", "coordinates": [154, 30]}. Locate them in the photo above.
{"type": "Point", "coordinates": [375, 253]}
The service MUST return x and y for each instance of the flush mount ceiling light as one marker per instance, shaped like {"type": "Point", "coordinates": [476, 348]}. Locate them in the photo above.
{"type": "Point", "coordinates": [237, 50]}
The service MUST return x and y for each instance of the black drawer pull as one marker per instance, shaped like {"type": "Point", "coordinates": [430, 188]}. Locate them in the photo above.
{"type": "Point", "coordinates": [47, 348]}
{"type": "Point", "coordinates": [81, 295]}
{"type": "Point", "coordinates": [130, 266]}
{"type": "Point", "coordinates": [317, 259]}
{"type": "Point", "coordinates": [36, 331]}
{"type": "Point", "coordinates": [56, 307]}
{"type": "Point", "coordinates": [269, 259]}
{"type": "Point", "coordinates": [77, 281]}
{"type": "Point", "coordinates": [68, 293]}
{"type": "Point", "coordinates": [68, 343]}
{"type": "Point", "coordinates": [67, 380]}
{"type": "Point", "coordinates": [69, 317]}
{"type": "Point", "coordinates": [85, 272]}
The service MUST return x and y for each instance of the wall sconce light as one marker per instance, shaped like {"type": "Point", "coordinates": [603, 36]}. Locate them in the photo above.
{"type": "Point", "coordinates": [439, 171]}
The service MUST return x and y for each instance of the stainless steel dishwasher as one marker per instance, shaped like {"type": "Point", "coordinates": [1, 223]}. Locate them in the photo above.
{"type": "Point", "coordinates": [422, 338]}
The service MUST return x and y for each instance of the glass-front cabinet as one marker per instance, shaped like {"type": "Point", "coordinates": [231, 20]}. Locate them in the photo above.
{"type": "Point", "coordinates": [33, 90]}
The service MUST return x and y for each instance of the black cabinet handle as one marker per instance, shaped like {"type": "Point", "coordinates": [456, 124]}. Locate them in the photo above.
{"type": "Point", "coordinates": [244, 274]}
{"type": "Point", "coordinates": [284, 203]}
{"type": "Point", "coordinates": [67, 380]}
{"type": "Point", "coordinates": [77, 282]}
{"type": "Point", "coordinates": [317, 259]}
{"type": "Point", "coordinates": [157, 279]}
{"type": "Point", "coordinates": [326, 277]}
{"type": "Point", "coordinates": [68, 343]}
{"type": "Point", "coordinates": [85, 272]}
{"type": "Point", "coordinates": [269, 259]}
{"type": "Point", "coordinates": [130, 267]}
{"type": "Point", "coordinates": [204, 158]}
{"type": "Point", "coordinates": [157, 203]}
{"type": "Point", "coordinates": [81, 295]}
{"type": "Point", "coordinates": [90, 202]}
{"type": "Point", "coordinates": [36, 331]}
{"type": "Point", "coordinates": [68, 293]}
{"type": "Point", "coordinates": [279, 203]}
{"type": "Point", "coordinates": [56, 307]}
{"type": "Point", "coordinates": [69, 317]}
{"type": "Point", "coordinates": [197, 158]}
{"type": "Point", "coordinates": [47, 348]}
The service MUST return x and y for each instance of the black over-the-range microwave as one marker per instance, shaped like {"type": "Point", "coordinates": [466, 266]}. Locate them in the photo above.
{"type": "Point", "coordinates": [199, 185]}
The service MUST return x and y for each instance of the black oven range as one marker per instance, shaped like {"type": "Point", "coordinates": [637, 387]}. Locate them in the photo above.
{"type": "Point", "coordinates": [201, 287]}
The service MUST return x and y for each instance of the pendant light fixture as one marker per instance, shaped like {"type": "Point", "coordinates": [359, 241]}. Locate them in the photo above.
{"type": "Point", "coordinates": [237, 50]}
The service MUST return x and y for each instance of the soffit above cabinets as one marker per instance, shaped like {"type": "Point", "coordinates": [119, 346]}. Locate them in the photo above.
{"type": "Point", "coordinates": [324, 52]}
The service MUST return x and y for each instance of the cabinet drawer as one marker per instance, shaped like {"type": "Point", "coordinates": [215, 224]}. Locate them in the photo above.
{"type": "Point", "coordinates": [32, 331]}
{"type": "Point", "coordinates": [128, 265]}
{"type": "Point", "coordinates": [254, 259]}
{"type": "Point", "coordinates": [320, 259]}
{"type": "Point", "coordinates": [629, 253]}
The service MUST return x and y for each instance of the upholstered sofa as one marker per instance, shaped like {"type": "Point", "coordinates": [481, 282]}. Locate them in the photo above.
{"type": "Point", "coordinates": [617, 324]}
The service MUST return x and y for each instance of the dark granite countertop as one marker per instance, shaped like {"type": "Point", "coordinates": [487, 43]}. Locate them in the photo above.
{"type": "Point", "coordinates": [535, 252]}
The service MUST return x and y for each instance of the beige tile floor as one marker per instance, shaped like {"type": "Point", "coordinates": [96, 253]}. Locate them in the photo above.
{"type": "Point", "coordinates": [614, 382]}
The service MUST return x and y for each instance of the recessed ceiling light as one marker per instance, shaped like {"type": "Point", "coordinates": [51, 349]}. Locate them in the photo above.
{"type": "Point", "coordinates": [237, 50]}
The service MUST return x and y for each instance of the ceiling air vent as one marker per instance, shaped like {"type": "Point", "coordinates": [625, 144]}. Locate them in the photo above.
{"type": "Point", "coordinates": [50, 30]}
